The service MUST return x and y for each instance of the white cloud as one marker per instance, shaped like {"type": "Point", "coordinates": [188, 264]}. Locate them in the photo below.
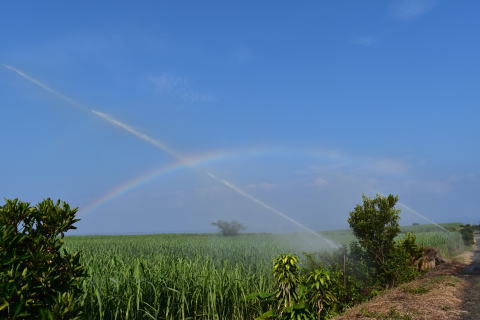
{"type": "Point", "coordinates": [410, 9]}
{"type": "Point", "coordinates": [179, 87]}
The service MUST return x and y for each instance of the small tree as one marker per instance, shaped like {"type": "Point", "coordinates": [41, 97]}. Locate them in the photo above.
{"type": "Point", "coordinates": [37, 279]}
{"type": "Point", "coordinates": [231, 228]}
{"type": "Point", "coordinates": [375, 224]}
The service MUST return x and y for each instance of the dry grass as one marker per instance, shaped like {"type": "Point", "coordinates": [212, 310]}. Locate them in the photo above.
{"type": "Point", "coordinates": [437, 295]}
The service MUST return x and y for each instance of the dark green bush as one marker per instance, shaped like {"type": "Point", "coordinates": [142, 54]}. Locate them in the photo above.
{"type": "Point", "coordinates": [375, 224]}
{"type": "Point", "coordinates": [333, 281]}
{"type": "Point", "coordinates": [400, 263]}
{"type": "Point", "coordinates": [301, 293]}
{"type": "Point", "coordinates": [467, 231]}
{"type": "Point", "coordinates": [347, 273]}
{"type": "Point", "coordinates": [37, 279]}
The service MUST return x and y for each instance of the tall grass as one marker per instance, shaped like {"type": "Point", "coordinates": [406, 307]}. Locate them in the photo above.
{"type": "Point", "coordinates": [449, 244]}
{"type": "Point", "coordinates": [192, 276]}
{"type": "Point", "coordinates": [453, 226]}
{"type": "Point", "coordinates": [175, 276]}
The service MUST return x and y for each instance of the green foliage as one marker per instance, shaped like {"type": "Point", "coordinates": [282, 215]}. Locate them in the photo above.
{"type": "Point", "coordinates": [289, 299]}
{"type": "Point", "coordinates": [449, 244]}
{"type": "Point", "coordinates": [409, 244]}
{"type": "Point", "coordinates": [375, 224]}
{"type": "Point", "coordinates": [467, 234]}
{"type": "Point", "coordinates": [209, 276]}
{"type": "Point", "coordinates": [398, 267]}
{"type": "Point", "coordinates": [362, 270]}
{"type": "Point", "coordinates": [179, 276]}
{"type": "Point", "coordinates": [231, 228]}
{"type": "Point", "coordinates": [37, 279]}
{"type": "Point", "coordinates": [383, 260]}
{"type": "Point", "coordinates": [284, 301]}
{"type": "Point", "coordinates": [416, 228]}
{"type": "Point", "coordinates": [302, 294]}
{"type": "Point", "coordinates": [323, 292]}
{"type": "Point", "coordinates": [286, 273]}
{"type": "Point", "coordinates": [344, 274]}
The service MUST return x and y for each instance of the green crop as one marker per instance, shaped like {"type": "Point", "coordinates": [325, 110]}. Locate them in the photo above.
{"type": "Point", "coordinates": [192, 276]}
{"type": "Point", "coordinates": [175, 276]}
{"type": "Point", "coordinates": [448, 243]}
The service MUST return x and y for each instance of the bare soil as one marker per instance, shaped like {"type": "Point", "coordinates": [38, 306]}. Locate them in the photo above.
{"type": "Point", "coordinates": [450, 292]}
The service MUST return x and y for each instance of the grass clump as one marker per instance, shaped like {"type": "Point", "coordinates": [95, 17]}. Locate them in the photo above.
{"type": "Point", "coordinates": [416, 290]}
{"type": "Point", "coordinates": [392, 314]}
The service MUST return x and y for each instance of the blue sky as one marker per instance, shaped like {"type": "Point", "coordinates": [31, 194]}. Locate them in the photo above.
{"type": "Point", "coordinates": [313, 103]}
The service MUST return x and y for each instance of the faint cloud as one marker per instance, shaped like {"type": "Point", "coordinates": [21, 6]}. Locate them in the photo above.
{"type": "Point", "coordinates": [390, 166]}
{"type": "Point", "coordinates": [351, 162]}
{"type": "Point", "coordinates": [262, 185]}
{"type": "Point", "coordinates": [401, 10]}
{"type": "Point", "coordinates": [320, 169]}
{"type": "Point", "coordinates": [320, 182]}
{"type": "Point", "coordinates": [431, 186]}
{"type": "Point", "coordinates": [179, 87]}
{"type": "Point", "coordinates": [364, 41]}
{"type": "Point", "coordinates": [410, 9]}
{"type": "Point", "coordinates": [462, 179]}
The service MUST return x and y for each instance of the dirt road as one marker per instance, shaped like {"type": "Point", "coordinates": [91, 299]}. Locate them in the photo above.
{"type": "Point", "coordinates": [450, 292]}
{"type": "Point", "coordinates": [471, 276]}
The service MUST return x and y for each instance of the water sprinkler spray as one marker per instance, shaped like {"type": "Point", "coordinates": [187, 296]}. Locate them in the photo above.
{"type": "Point", "coordinates": [418, 214]}
{"type": "Point", "coordinates": [165, 148]}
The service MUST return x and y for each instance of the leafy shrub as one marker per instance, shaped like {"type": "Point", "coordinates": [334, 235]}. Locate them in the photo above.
{"type": "Point", "coordinates": [286, 273]}
{"type": "Point", "coordinates": [287, 302]}
{"type": "Point", "coordinates": [345, 273]}
{"type": "Point", "coordinates": [398, 268]}
{"type": "Point", "coordinates": [375, 224]}
{"type": "Point", "coordinates": [231, 228]}
{"type": "Point", "coordinates": [37, 280]}
{"type": "Point", "coordinates": [303, 295]}
{"type": "Point", "coordinates": [362, 270]}
{"type": "Point", "coordinates": [409, 243]}
{"type": "Point", "coordinates": [323, 292]}
{"type": "Point", "coordinates": [466, 231]}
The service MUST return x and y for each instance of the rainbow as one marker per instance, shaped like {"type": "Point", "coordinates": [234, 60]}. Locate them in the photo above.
{"type": "Point", "coordinates": [191, 162]}
{"type": "Point", "coordinates": [150, 175]}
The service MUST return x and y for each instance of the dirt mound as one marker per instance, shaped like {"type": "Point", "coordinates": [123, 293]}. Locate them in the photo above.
{"type": "Point", "coordinates": [438, 295]}
{"type": "Point", "coordinates": [450, 291]}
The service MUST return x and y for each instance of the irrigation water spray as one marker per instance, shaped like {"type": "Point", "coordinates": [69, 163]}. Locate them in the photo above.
{"type": "Point", "coordinates": [418, 214]}
{"type": "Point", "coordinates": [162, 146]}
{"type": "Point", "coordinates": [422, 216]}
